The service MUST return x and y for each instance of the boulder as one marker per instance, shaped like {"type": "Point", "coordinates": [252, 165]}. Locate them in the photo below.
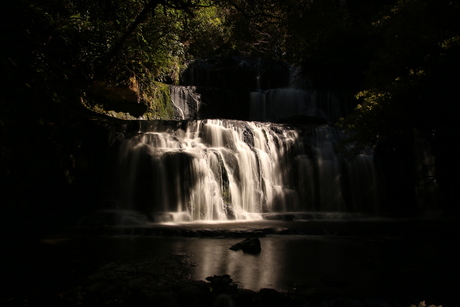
{"type": "Point", "coordinates": [249, 245]}
{"type": "Point", "coordinates": [221, 284]}
{"type": "Point", "coordinates": [122, 98]}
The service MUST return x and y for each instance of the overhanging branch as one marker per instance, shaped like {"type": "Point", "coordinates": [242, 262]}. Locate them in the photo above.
{"type": "Point", "coordinates": [149, 8]}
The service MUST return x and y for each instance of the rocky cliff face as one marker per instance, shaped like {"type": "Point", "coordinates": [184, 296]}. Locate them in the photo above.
{"type": "Point", "coordinates": [237, 73]}
{"type": "Point", "coordinates": [218, 87]}
{"type": "Point", "coordinates": [261, 90]}
{"type": "Point", "coordinates": [225, 83]}
{"type": "Point", "coordinates": [131, 100]}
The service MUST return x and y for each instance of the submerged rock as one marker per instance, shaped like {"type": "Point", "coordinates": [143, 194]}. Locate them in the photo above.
{"type": "Point", "coordinates": [220, 282]}
{"type": "Point", "coordinates": [249, 245]}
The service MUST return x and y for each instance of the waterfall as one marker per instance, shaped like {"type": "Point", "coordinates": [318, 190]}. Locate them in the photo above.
{"type": "Point", "coordinates": [283, 104]}
{"type": "Point", "coordinates": [230, 169]}
{"type": "Point", "coordinates": [186, 101]}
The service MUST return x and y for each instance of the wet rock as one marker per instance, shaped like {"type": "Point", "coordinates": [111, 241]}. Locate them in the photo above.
{"type": "Point", "coordinates": [271, 297]}
{"type": "Point", "coordinates": [126, 98]}
{"type": "Point", "coordinates": [249, 245]}
{"type": "Point", "coordinates": [191, 295]}
{"type": "Point", "coordinates": [219, 279]}
{"type": "Point", "coordinates": [228, 208]}
{"type": "Point", "coordinates": [221, 283]}
{"type": "Point", "coordinates": [142, 280]}
{"type": "Point", "coordinates": [186, 100]}
{"type": "Point", "coordinates": [223, 300]}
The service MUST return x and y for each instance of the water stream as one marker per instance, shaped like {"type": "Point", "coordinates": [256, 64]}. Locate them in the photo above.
{"type": "Point", "coordinates": [228, 169]}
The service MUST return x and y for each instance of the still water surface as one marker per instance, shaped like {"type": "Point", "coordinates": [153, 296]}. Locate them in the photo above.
{"type": "Point", "coordinates": [284, 263]}
{"type": "Point", "coordinates": [334, 265]}
{"type": "Point", "coordinates": [381, 266]}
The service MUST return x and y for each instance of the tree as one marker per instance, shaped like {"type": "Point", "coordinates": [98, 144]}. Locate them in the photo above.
{"type": "Point", "coordinates": [412, 83]}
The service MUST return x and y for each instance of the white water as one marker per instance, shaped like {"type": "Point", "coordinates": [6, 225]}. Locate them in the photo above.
{"type": "Point", "coordinates": [186, 101]}
{"type": "Point", "coordinates": [228, 169]}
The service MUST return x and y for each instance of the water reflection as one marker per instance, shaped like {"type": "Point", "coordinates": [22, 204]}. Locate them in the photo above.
{"type": "Point", "coordinates": [251, 271]}
{"type": "Point", "coordinates": [285, 262]}
{"type": "Point", "coordinates": [317, 264]}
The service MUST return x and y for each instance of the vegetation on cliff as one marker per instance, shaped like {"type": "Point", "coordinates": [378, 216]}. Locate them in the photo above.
{"type": "Point", "coordinates": [60, 49]}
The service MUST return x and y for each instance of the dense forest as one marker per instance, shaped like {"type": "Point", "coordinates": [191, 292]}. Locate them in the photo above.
{"type": "Point", "coordinates": [62, 62]}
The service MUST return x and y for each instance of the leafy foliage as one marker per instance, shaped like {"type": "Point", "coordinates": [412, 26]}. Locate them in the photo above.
{"type": "Point", "coordinates": [412, 78]}
{"type": "Point", "coordinates": [412, 82]}
{"type": "Point", "coordinates": [385, 50]}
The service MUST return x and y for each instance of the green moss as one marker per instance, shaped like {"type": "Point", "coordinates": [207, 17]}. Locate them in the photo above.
{"type": "Point", "coordinates": [157, 96]}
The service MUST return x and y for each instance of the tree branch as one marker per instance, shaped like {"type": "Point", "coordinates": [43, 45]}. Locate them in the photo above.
{"type": "Point", "coordinates": [243, 11]}
{"type": "Point", "coordinates": [150, 7]}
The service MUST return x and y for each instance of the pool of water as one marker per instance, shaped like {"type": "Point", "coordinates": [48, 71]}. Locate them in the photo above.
{"type": "Point", "coordinates": [372, 264]}
{"type": "Point", "coordinates": [285, 262]}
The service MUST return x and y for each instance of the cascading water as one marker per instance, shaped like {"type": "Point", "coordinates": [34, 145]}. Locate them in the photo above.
{"type": "Point", "coordinates": [209, 170]}
{"type": "Point", "coordinates": [229, 169]}
{"type": "Point", "coordinates": [186, 101]}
